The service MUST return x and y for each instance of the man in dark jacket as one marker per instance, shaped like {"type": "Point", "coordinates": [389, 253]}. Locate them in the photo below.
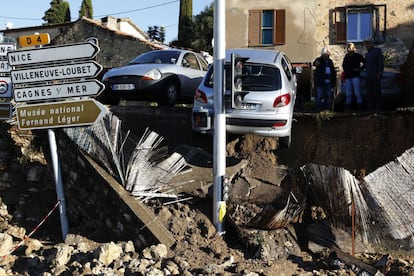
{"type": "Point", "coordinates": [324, 80]}
{"type": "Point", "coordinates": [374, 64]}
{"type": "Point", "coordinates": [352, 65]}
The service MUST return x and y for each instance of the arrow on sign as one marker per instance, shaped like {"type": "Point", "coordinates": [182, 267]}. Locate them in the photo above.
{"type": "Point", "coordinates": [65, 90]}
{"type": "Point", "coordinates": [52, 73]}
{"type": "Point", "coordinates": [53, 54]}
{"type": "Point", "coordinates": [59, 114]}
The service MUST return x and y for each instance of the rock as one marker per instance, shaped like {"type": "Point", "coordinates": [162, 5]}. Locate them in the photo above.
{"type": "Point", "coordinates": [6, 244]}
{"type": "Point", "coordinates": [155, 252]}
{"type": "Point", "coordinates": [17, 232]}
{"type": "Point", "coordinates": [32, 245]}
{"type": "Point", "coordinates": [63, 255]}
{"type": "Point", "coordinates": [108, 253]}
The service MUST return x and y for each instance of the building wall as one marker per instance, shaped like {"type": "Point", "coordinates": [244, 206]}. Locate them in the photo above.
{"type": "Point", "coordinates": [309, 26]}
{"type": "Point", "coordinates": [301, 41]}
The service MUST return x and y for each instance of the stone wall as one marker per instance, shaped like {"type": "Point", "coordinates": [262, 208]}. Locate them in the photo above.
{"type": "Point", "coordinates": [100, 207]}
{"type": "Point", "coordinates": [399, 35]}
{"type": "Point", "coordinates": [116, 48]}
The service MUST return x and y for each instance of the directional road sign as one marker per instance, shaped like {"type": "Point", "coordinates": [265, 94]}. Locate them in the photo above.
{"type": "Point", "coordinates": [49, 54]}
{"type": "Point", "coordinates": [4, 66]}
{"type": "Point", "coordinates": [53, 73]}
{"type": "Point", "coordinates": [6, 88]}
{"type": "Point", "coordinates": [5, 111]}
{"type": "Point", "coordinates": [34, 40]}
{"type": "Point", "coordinates": [59, 114]}
{"type": "Point", "coordinates": [57, 91]}
{"type": "Point", "coordinates": [6, 48]}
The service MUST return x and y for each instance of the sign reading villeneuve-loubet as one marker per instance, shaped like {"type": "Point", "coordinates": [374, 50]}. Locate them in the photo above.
{"type": "Point", "coordinates": [59, 114]}
{"type": "Point", "coordinates": [53, 54]}
{"type": "Point", "coordinates": [65, 90]}
{"type": "Point", "coordinates": [53, 73]}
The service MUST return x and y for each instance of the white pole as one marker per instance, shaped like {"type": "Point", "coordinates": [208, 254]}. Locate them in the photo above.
{"type": "Point", "coordinates": [219, 139]}
{"type": "Point", "coordinates": [58, 182]}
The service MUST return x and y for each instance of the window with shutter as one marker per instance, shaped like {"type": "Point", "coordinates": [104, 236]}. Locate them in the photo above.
{"type": "Point", "coordinates": [355, 23]}
{"type": "Point", "coordinates": [267, 27]}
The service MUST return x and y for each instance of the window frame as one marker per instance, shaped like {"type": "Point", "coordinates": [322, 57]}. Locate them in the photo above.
{"type": "Point", "coordinates": [378, 15]}
{"type": "Point", "coordinates": [256, 28]}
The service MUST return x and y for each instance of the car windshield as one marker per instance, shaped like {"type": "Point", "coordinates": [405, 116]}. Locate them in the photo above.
{"type": "Point", "coordinates": [255, 77]}
{"type": "Point", "coordinates": [165, 57]}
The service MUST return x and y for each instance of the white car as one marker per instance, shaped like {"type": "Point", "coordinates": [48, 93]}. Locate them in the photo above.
{"type": "Point", "coordinates": [165, 76]}
{"type": "Point", "coordinates": [265, 103]}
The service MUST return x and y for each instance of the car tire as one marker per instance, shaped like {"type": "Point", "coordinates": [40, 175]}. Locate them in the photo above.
{"type": "Point", "coordinates": [170, 93]}
{"type": "Point", "coordinates": [284, 142]}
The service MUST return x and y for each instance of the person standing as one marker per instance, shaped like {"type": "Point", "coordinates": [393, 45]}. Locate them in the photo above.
{"type": "Point", "coordinates": [324, 80]}
{"type": "Point", "coordinates": [352, 64]}
{"type": "Point", "coordinates": [374, 66]}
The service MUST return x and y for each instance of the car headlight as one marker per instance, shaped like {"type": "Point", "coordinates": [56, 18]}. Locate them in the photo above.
{"type": "Point", "coordinates": [154, 74]}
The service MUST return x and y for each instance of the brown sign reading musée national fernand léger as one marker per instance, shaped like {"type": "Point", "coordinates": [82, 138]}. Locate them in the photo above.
{"type": "Point", "coordinates": [59, 114]}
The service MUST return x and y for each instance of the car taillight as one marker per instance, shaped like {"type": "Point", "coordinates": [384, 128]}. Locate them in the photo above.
{"type": "Point", "coordinates": [200, 96]}
{"type": "Point", "coordinates": [282, 100]}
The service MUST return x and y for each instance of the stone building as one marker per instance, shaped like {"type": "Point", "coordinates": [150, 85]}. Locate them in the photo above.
{"type": "Point", "coordinates": [119, 39]}
{"type": "Point", "coordinates": [301, 28]}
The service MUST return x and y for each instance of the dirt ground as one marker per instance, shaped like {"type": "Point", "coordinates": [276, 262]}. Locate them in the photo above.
{"type": "Point", "coordinates": [359, 143]}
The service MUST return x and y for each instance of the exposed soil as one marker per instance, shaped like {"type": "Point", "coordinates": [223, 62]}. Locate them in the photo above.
{"type": "Point", "coordinates": [359, 143]}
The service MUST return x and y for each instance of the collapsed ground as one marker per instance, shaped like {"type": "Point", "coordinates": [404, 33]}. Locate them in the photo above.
{"type": "Point", "coordinates": [358, 143]}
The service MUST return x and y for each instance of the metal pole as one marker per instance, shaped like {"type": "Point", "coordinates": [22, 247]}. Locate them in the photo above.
{"type": "Point", "coordinates": [58, 182]}
{"type": "Point", "coordinates": [219, 139]}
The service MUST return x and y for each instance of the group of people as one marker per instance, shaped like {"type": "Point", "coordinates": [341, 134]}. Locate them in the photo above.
{"type": "Point", "coordinates": [325, 77]}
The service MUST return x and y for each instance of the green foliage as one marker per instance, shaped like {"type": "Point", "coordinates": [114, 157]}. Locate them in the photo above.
{"type": "Point", "coordinates": [156, 33]}
{"type": "Point", "coordinates": [197, 32]}
{"type": "Point", "coordinates": [59, 12]}
{"type": "Point", "coordinates": [86, 9]}
{"type": "Point", "coordinates": [203, 30]}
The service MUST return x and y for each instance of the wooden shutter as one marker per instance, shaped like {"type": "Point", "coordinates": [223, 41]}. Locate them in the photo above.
{"type": "Point", "coordinates": [280, 27]}
{"type": "Point", "coordinates": [255, 26]}
{"type": "Point", "coordinates": [340, 25]}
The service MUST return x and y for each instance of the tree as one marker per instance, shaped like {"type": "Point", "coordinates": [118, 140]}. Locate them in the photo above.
{"type": "Point", "coordinates": [59, 12]}
{"type": "Point", "coordinates": [86, 9]}
{"type": "Point", "coordinates": [156, 33]}
{"type": "Point", "coordinates": [203, 26]}
{"type": "Point", "coordinates": [195, 32]}
{"type": "Point", "coordinates": [185, 23]}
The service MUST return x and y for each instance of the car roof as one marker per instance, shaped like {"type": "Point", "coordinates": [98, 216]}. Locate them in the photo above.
{"type": "Point", "coordinates": [255, 55]}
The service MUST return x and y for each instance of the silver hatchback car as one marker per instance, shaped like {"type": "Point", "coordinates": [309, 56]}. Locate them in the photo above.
{"type": "Point", "coordinates": [265, 103]}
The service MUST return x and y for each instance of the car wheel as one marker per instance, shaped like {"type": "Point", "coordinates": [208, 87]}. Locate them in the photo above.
{"type": "Point", "coordinates": [284, 142]}
{"type": "Point", "coordinates": [170, 95]}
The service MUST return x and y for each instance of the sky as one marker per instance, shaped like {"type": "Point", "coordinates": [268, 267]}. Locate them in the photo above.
{"type": "Point", "coordinates": [144, 13]}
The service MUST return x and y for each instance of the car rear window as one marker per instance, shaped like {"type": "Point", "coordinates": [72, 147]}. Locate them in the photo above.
{"type": "Point", "coordinates": [165, 56]}
{"type": "Point", "coordinates": [255, 77]}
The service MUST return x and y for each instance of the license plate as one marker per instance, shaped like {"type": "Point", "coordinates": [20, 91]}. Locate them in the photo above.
{"type": "Point", "coordinates": [123, 86]}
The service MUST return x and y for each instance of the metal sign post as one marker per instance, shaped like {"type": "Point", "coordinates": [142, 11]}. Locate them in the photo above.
{"type": "Point", "coordinates": [219, 139]}
{"type": "Point", "coordinates": [58, 183]}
